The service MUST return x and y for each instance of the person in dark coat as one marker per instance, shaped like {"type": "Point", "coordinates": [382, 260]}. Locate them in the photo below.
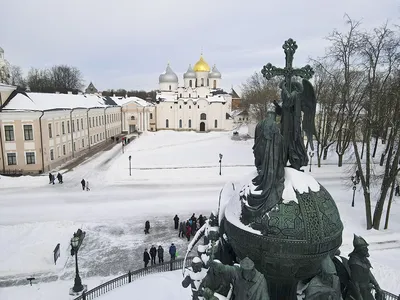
{"type": "Point", "coordinates": [160, 252]}
{"type": "Point", "coordinates": [194, 223]}
{"type": "Point", "coordinates": [153, 254]}
{"type": "Point", "coordinates": [60, 178]}
{"type": "Point", "coordinates": [172, 251]}
{"type": "Point", "coordinates": [181, 229]}
{"type": "Point", "coordinates": [50, 178]}
{"type": "Point", "coordinates": [201, 221]}
{"type": "Point", "coordinates": [83, 183]}
{"type": "Point", "coordinates": [397, 191]}
{"type": "Point", "coordinates": [146, 258]}
{"type": "Point", "coordinates": [147, 227]}
{"type": "Point", "coordinates": [176, 220]}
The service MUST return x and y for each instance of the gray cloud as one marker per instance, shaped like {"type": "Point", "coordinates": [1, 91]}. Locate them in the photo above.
{"type": "Point", "coordinates": [126, 44]}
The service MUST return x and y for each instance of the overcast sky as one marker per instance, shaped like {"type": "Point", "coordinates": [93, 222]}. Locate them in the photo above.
{"type": "Point", "coordinates": [127, 43]}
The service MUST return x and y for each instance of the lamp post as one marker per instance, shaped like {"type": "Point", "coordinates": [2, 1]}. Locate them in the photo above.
{"type": "Point", "coordinates": [220, 161]}
{"type": "Point", "coordinates": [130, 165]}
{"type": "Point", "coordinates": [355, 180]}
{"type": "Point", "coordinates": [311, 153]}
{"type": "Point", "coordinates": [78, 287]}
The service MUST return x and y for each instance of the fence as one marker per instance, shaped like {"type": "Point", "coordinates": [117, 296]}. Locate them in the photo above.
{"type": "Point", "coordinates": [132, 276]}
{"type": "Point", "coordinates": [390, 296]}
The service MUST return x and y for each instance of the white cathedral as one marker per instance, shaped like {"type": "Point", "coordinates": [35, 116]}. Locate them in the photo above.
{"type": "Point", "coordinates": [200, 104]}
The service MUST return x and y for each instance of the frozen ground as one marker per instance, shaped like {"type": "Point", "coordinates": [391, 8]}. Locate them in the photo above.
{"type": "Point", "coordinates": [172, 173]}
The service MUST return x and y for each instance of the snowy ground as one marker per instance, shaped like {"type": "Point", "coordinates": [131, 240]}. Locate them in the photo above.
{"type": "Point", "coordinates": [172, 173]}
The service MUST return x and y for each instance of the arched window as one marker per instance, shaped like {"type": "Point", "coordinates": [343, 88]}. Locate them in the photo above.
{"type": "Point", "coordinates": [133, 118]}
{"type": "Point", "coordinates": [215, 84]}
{"type": "Point", "coordinates": [215, 123]}
{"type": "Point", "coordinates": [190, 83]}
{"type": "Point", "coordinates": [190, 123]}
{"type": "Point", "coordinates": [166, 123]}
{"type": "Point", "coordinates": [208, 82]}
{"type": "Point", "coordinates": [203, 116]}
{"type": "Point", "coordinates": [151, 116]}
{"type": "Point", "coordinates": [202, 82]}
{"type": "Point", "coordinates": [180, 106]}
{"type": "Point", "coordinates": [190, 96]}
{"type": "Point", "coordinates": [180, 95]}
{"type": "Point", "coordinates": [180, 123]}
{"type": "Point", "coordinates": [169, 87]}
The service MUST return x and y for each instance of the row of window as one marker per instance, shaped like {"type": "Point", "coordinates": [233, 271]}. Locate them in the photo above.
{"type": "Point", "coordinates": [9, 133]}
{"type": "Point", "coordinates": [93, 122]}
{"type": "Point", "coordinates": [189, 123]}
{"type": "Point", "coordinates": [30, 158]}
{"type": "Point", "coordinates": [201, 83]}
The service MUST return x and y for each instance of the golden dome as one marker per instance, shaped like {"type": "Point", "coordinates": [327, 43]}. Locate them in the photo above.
{"type": "Point", "coordinates": [201, 65]}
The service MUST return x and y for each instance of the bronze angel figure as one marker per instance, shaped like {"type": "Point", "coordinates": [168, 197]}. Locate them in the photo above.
{"type": "Point", "coordinates": [298, 98]}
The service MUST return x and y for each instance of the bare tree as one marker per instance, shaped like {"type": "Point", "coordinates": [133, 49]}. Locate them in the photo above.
{"type": "Point", "coordinates": [66, 78]}
{"type": "Point", "coordinates": [17, 77]}
{"type": "Point", "coordinates": [39, 81]}
{"type": "Point", "coordinates": [257, 92]}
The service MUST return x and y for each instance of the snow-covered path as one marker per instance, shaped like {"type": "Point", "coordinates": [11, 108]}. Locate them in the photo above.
{"type": "Point", "coordinates": [172, 173]}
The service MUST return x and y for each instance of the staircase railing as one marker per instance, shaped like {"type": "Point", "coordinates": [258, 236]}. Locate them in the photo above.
{"type": "Point", "coordinates": [132, 276]}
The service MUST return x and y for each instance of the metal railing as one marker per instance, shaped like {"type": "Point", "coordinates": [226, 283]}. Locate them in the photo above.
{"type": "Point", "coordinates": [132, 276]}
{"type": "Point", "coordinates": [389, 296]}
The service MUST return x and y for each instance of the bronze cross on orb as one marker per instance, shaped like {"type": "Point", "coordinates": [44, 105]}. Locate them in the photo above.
{"type": "Point", "coordinates": [269, 71]}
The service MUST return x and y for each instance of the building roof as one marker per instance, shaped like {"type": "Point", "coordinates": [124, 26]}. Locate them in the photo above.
{"type": "Point", "coordinates": [43, 101]}
{"type": "Point", "coordinates": [139, 101]}
{"type": "Point", "coordinates": [234, 94]}
{"type": "Point", "coordinates": [7, 87]}
{"type": "Point", "coordinates": [201, 65]}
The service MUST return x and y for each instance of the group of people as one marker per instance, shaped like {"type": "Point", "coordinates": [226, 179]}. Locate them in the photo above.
{"type": "Point", "coordinates": [190, 226]}
{"type": "Point", "coordinates": [154, 252]}
{"type": "Point", "coordinates": [52, 178]}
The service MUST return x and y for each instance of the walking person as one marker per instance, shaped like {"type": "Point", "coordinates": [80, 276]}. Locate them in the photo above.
{"type": "Point", "coordinates": [50, 178]}
{"type": "Point", "coordinates": [160, 252]}
{"type": "Point", "coordinates": [201, 221]}
{"type": "Point", "coordinates": [83, 183]}
{"type": "Point", "coordinates": [397, 191]}
{"type": "Point", "coordinates": [172, 251]}
{"type": "Point", "coordinates": [181, 226]}
{"type": "Point", "coordinates": [146, 258]}
{"type": "Point", "coordinates": [176, 221]}
{"type": "Point", "coordinates": [147, 227]}
{"type": "Point", "coordinates": [87, 186]}
{"type": "Point", "coordinates": [188, 231]}
{"type": "Point", "coordinates": [153, 253]}
{"type": "Point", "coordinates": [60, 178]}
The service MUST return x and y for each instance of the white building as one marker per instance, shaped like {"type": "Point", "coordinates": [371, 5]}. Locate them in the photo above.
{"type": "Point", "coordinates": [199, 104]}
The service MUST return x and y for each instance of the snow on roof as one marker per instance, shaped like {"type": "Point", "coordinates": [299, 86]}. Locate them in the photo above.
{"type": "Point", "coordinates": [137, 100]}
{"type": "Point", "coordinates": [6, 87]}
{"type": "Point", "coordinates": [44, 101]}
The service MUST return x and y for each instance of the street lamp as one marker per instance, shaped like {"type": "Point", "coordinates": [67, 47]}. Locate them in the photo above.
{"type": "Point", "coordinates": [78, 287]}
{"type": "Point", "coordinates": [130, 165]}
{"type": "Point", "coordinates": [220, 161]}
{"type": "Point", "coordinates": [311, 153]}
{"type": "Point", "coordinates": [355, 180]}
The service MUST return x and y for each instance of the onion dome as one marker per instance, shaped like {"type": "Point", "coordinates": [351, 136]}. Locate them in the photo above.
{"type": "Point", "coordinates": [201, 65]}
{"type": "Point", "coordinates": [190, 73]}
{"type": "Point", "coordinates": [168, 76]}
{"type": "Point", "coordinates": [214, 73]}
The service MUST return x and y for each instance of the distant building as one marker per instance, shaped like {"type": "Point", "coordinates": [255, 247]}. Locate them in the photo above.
{"type": "Point", "coordinates": [39, 132]}
{"type": "Point", "coordinates": [91, 89]}
{"type": "Point", "coordinates": [236, 101]}
{"type": "Point", "coordinates": [199, 104]}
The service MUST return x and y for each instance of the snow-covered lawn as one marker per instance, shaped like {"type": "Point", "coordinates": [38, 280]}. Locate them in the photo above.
{"type": "Point", "coordinates": [172, 173]}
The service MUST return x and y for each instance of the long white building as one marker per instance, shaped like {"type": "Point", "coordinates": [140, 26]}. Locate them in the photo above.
{"type": "Point", "coordinates": [199, 104]}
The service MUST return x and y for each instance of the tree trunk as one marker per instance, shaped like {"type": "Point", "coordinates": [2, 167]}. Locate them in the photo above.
{"type": "Point", "coordinates": [375, 146]}
{"type": "Point", "coordinates": [363, 146]}
{"type": "Point", "coordinates": [379, 205]}
{"type": "Point", "coordinates": [382, 160]}
{"type": "Point", "coordinates": [389, 205]}
{"type": "Point", "coordinates": [325, 153]}
{"type": "Point", "coordinates": [340, 160]}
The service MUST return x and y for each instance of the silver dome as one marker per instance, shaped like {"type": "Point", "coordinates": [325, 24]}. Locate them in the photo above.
{"type": "Point", "coordinates": [190, 73]}
{"type": "Point", "coordinates": [214, 73]}
{"type": "Point", "coordinates": [168, 76]}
